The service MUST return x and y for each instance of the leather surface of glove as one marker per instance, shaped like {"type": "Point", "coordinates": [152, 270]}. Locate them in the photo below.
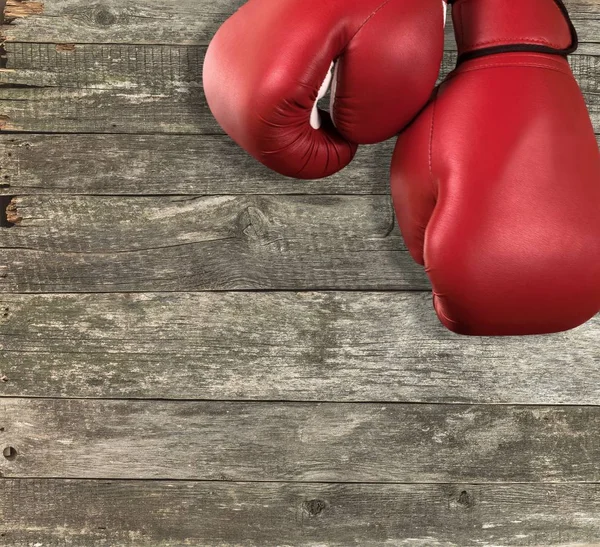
{"type": "Point", "coordinates": [496, 184]}
{"type": "Point", "coordinates": [270, 62]}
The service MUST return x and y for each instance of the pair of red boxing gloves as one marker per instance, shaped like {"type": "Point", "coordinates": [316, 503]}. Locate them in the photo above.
{"type": "Point", "coordinates": [496, 175]}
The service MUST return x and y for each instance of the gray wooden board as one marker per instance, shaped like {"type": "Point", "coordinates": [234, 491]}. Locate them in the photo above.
{"type": "Point", "coordinates": [173, 21]}
{"type": "Point", "coordinates": [120, 88]}
{"type": "Point", "coordinates": [166, 164]}
{"type": "Point", "coordinates": [280, 346]}
{"type": "Point", "coordinates": [105, 224]}
{"type": "Point", "coordinates": [104, 88]}
{"type": "Point", "coordinates": [323, 442]}
{"type": "Point", "coordinates": [108, 244]}
{"type": "Point", "coordinates": [160, 513]}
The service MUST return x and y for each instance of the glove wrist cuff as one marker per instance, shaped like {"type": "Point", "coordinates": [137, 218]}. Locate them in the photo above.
{"type": "Point", "coordinates": [486, 27]}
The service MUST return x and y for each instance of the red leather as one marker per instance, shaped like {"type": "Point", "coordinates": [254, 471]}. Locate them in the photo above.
{"type": "Point", "coordinates": [479, 24]}
{"type": "Point", "coordinates": [497, 184]}
{"type": "Point", "coordinates": [265, 65]}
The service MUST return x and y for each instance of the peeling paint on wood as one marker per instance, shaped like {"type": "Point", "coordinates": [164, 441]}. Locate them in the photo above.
{"type": "Point", "coordinates": [65, 47]}
{"type": "Point", "coordinates": [12, 213]}
{"type": "Point", "coordinates": [18, 9]}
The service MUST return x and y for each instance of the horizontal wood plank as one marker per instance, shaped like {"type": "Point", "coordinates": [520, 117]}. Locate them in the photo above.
{"type": "Point", "coordinates": [108, 244]}
{"type": "Point", "coordinates": [167, 164]}
{"type": "Point", "coordinates": [280, 346]}
{"type": "Point", "coordinates": [104, 88]}
{"type": "Point", "coordinates": [92, 224]}
{"type": "Point", "coordinates": [323, 442]}
{"type": "Point", "coordinates": [167, 514]}
{"type": "Point", "coordinates": [140, 89]}
{"type": "Point", "coordinates": [174, 21]}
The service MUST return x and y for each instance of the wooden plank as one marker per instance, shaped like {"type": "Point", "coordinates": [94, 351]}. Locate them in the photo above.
{"type": "Point", "coordinates": [93, 224]}
{"type": "Point", "coordinates": [110, 88]}
{"type": "Point", "coordinates": [280, 346]}
{"type": "Point", "coordinates": [322, 442]}
{"type": "Point", "coordinates": [166, 165]}
{"type": "Point", "coordinates": [170, 21]}
{"type": "Point", "coordinates": [157, 513]}
{"type": "Point", "coordinates": [108, 244]}
{"type": "Point", "coordinates": [139, 89]}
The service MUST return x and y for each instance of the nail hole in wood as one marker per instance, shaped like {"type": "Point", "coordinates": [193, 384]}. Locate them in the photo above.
{"type": "Point", "coordinates": [10, 453]}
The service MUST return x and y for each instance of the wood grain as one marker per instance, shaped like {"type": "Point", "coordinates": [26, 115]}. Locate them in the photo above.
{"type": "Point", "coordinates": [175, 21]}
{"type": "Point", "coordinates": [108, 244]}
{"type": "Point", "coordinates": [323, 442]}
{"type": "Point", "coordinates": [140, 89]}
{"type": "Point", "coordinates": [91, 224]}
{"type": "Point", "coordinates": [166, 165]}
{"type": "Point", "coordinates": [104, 88]}
{"type": "Point", "coordinates": [168, 514]}
{"type": "Point", "coordinates": [280, 346]}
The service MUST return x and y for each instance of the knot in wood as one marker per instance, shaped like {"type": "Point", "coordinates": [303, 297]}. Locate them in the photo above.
{"type": "Point", "coordinates": [465, 499]}
{"type": "Point", "coordinates": [314, 507]}
{"type": "Point", "coordinates": [105, 18]}
{"type": "Point", "coordinates": [462, 499]}
{"type": "Point", "coordinates": [258, 227]}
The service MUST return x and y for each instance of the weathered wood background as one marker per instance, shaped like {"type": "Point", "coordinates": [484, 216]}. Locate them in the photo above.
{"type": "Point", "coordinates": [196, 351]}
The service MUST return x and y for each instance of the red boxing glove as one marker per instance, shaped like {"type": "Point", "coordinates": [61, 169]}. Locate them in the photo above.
{"type": "Point", "coordinates": [497, 183]}
{"type": "Point", "coordinates": [268, 65]}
